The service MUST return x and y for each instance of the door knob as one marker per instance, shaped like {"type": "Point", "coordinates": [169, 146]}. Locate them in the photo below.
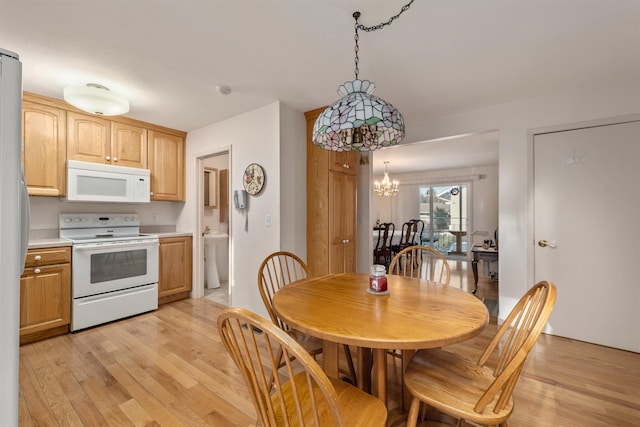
{"type": "Point", "coordinates": [545, 244]}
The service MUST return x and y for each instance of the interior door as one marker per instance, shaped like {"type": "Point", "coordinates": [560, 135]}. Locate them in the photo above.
{"type": "Point", "coordinates": [587, 199]}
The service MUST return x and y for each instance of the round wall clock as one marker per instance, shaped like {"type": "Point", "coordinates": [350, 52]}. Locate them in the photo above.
{"type": "Point", "coordinates": [253, 179]}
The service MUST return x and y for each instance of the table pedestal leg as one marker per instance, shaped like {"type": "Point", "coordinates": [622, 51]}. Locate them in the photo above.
{"type": "Point", "coordinates": [363, 369]}
{"type": "Point", "coordinates": [330, 358]}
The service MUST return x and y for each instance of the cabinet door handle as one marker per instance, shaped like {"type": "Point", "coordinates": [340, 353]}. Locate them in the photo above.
{"type": "Point", "coordinates": [37, 257]}
{"type": "Point", "coordinates": [346, 165]}
{"type": "Point", "coordinates": [115, 159]}
{"type": "Point", "coordinates": [36, 271]}
{"type": "Point", "coordinates": [108, 158]}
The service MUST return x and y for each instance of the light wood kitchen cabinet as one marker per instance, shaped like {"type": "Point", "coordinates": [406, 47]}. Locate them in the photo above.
{"type": "Point", "coordinates": [175, 264]}
{"type": "Point", "coordinates": [97, 140]}
{"type": "Point", "coordinates": [88, 138]}
{"type": "Point", "coordinates": [128, 145]}
{"type": "Point", "coordinates": [44, 150]}
{"type": "Point", "coordinates": [54, 132]}
{"type": "Point", "coordinates": [343, 161]}
{"type": "Point", "coordinates": [45, 294]}
{"type": "Point", "coordinates": [342, 222]}
{"type": "Point", "coordinates": [331, 207]}
{"type": "Point", "coordinates": [167, 165]}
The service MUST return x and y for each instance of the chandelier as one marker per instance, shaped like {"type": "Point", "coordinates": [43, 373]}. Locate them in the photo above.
{"type": "Point", "coordinates": [359, 121]}
{"type": "Point", "coordinates": [386, 187]}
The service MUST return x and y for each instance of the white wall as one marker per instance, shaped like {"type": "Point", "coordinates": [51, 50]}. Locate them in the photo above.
{"type": "Point", "coordinates": [515, 120]}
{"type": "Point", "coordinates": [251, 137]}
{"type": "Point", "coordinates": [293, 182]}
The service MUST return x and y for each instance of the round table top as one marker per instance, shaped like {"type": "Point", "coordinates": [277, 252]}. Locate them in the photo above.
{"type": "Point", "coordinates": [415, 314]}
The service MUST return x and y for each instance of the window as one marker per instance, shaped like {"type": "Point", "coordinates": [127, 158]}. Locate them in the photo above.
{"type": "Point", "coordinates": [444, 212]}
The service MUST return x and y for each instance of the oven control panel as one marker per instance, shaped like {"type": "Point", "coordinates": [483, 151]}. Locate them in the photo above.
{"type": "Point", "coordinates": [92, 220]}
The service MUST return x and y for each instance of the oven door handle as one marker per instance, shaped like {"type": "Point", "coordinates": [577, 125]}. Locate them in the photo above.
{"type": "Point", "coordinates": [107, 245]}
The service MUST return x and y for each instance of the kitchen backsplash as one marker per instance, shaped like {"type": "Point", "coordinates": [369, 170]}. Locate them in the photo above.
{"type": "Point", "coordinates": [45, 212]}
{"type": "Point", "coordinates": [43, 233]}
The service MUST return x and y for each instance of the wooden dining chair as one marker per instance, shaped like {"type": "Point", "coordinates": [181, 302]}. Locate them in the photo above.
{"type": "Point", "coordinates": [422, 262]}
{"type": "Point", "coordinates": [278, 270]}
{"type": "Point", "coordinates": [299, 394]}
{"type": "Point", "coordinates": [382, 252]}
{"type": "Point", "coordinates": [470, 390]}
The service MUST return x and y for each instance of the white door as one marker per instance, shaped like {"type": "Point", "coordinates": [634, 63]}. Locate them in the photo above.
{"type": "Point", "coordinates": [587, 205]}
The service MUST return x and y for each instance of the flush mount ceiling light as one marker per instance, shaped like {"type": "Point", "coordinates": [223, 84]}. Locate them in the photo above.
{"type": "Point", "coordinates": [359, 121]}
{"type": "Point", "coordinates": [96, 99]}
{"type": "Point", "coordinates": [386, 187]}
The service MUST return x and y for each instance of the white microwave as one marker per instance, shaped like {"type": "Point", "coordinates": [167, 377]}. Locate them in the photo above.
{"type": "Point", "coordinates": [97, 182]}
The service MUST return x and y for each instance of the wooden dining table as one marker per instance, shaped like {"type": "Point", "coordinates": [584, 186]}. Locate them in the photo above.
{"type": "Point", "coordinates": [415, 314]}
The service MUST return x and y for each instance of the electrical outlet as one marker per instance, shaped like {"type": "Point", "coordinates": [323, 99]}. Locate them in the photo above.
{"type": "Point", "coordinates": [154, 217]}
{"type": "Point", "coordinates": [267, 220]}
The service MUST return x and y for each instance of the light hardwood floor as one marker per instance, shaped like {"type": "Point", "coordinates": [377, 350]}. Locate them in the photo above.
{"type": "Point", "coordinates": [169, 368]}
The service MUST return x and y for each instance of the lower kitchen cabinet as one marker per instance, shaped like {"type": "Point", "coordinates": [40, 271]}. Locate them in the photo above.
{"type": "Point", "coordinates": [175, 264]}
{"type": "Point", "coordinates": [45, 294]}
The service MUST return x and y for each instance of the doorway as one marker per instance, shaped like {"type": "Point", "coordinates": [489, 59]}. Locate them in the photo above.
{"type": "Point", "coordinates": [586, 234]}
{"type": "Point", "coordinates": [214, 230]}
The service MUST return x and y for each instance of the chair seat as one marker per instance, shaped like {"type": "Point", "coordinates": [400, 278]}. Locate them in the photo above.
{"type": "Point", "coordinates": [453, 384]}
{"type": "Point", "coordinates": [312, 344]}
{"type": "Point", "coordinates": [358, 408]}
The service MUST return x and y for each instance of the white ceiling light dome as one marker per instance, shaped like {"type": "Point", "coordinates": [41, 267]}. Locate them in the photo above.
{"type": "Point", "coordinates": [96, 99]}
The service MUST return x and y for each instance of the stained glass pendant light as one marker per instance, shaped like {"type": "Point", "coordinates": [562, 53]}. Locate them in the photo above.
{"type": "Point", "coordinates": [359, 121]}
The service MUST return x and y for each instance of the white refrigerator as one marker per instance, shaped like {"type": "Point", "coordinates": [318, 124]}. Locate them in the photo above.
{"type": "Point", "coordinates": [14, 230]}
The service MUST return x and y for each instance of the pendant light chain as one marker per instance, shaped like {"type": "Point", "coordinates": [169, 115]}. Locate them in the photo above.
{"type": "Point", "coordinates": [381, 25]}
{"type": "Point", "coordinates": [356, 15]}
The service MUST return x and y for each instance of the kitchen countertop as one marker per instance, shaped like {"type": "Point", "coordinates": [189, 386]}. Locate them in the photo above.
{"type": "Point", "coordinates": [51, 242]}
{"type": "Point", "coordinates": [173, 234]}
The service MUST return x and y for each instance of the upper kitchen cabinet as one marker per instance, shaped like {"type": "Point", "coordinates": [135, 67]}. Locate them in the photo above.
{"type": "Point", "coordinates": [88, 138]}
{"type": "Point", "coordinates": [167, 165]}
{"type": "Point", "coordinates": [45, 147]}
{"type": "Point", "coordinates": [54, 132]}
{"type": "Point", "coordinates": [128, 145]}
{"type": "Point", "coordinates": [97, 140]}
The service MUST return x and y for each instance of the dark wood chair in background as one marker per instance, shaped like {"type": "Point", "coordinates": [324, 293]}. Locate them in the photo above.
{"type": "Point", "coordinates": [411, 235]}
{"type": "Point", "coordinates": [418, 230]}
{"type": "Point", "coordinates": [382, 253]}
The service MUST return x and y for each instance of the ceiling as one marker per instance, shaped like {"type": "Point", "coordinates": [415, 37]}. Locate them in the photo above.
{"type": "Point", "coordinates": [440, 57]}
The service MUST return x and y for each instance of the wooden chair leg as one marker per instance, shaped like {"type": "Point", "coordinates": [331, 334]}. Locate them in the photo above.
{"type": "Point", "coordinates": [352, 369]}
{"type": "Point", "coordinates": [412, 418]}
